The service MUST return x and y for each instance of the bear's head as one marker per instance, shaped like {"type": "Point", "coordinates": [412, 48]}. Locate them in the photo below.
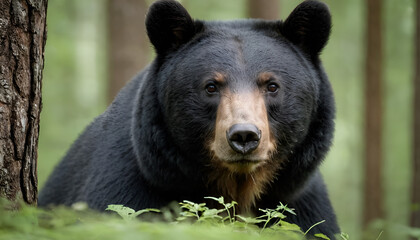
{"type": "Point", "coordinates": [236, 105]}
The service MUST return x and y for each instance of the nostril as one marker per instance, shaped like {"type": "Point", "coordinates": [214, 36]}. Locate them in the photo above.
{"type": "Point", "coordinates": [243, 138]}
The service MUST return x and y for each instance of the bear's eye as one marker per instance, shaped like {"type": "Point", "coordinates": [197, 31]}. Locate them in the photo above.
{"type": "Point", "coordinates": [272, 87]}
{"type": "Point", "coordinates": [211, 88]}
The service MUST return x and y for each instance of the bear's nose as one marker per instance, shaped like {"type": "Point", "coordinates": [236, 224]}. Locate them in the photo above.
{"type": "Point", "coordinates": [244, 137]}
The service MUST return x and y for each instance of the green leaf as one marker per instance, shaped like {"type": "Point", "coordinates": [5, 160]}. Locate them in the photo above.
{"type": "Point", "coordinates": [147, 210]}
{"type": "Point", "coordinates": [282, 207]}
{"type": "Point", "coordinates": [320, 235]}
{"type": "Point", "coordinates": [344, 236]}
{"type": "Point", "coordinates": [264, 210]}
{"type": "Point", "coordinates": [250, 219]}
{"type": "Point", "coordinates": [124, 212]}
{"type": "Point", "coordinates": [188, 214]}
{"type": "Point", "coordinates": [220, 200]}
{"type": "Point", "coordinates": [290, 227]}
{"type": "Point", "coordinates": [278, 215]}
{"type": "Point", "coordinates": [212, 213]}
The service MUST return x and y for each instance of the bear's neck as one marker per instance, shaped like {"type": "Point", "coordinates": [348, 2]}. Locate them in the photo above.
{"type": "Point", "coordinates": [243, 188]}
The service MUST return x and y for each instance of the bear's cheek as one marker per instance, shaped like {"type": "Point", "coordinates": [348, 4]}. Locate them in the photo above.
{"type": "Point", "coordinates": [246, 109]}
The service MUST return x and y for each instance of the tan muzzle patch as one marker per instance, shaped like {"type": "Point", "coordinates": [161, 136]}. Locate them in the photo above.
{"type": "Point", "coordinates": [246, 112]}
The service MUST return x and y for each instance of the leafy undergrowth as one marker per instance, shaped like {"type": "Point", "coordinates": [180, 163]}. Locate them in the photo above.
{"type": "Point", "coordinates": [191, 221]}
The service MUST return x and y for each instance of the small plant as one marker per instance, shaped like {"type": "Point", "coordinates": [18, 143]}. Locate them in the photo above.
{"type": "Point", "coordinates": [227, 207]}
{"type": "Point", "coordinates": [275, 214]}
{"type": "Point", "coordinates": [127, 213]}
{"type": "Point", "coordinates": [199, 212]}
{"type": "Point", "coordinates": [270, 217]}
{"type": "Point", "coordinates": [271, 221]}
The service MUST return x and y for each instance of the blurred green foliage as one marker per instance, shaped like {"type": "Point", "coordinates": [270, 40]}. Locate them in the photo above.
{"type": "Point", "coordinates": [75, 80]}
{"type": "Point", "coordinates": [79, 222]}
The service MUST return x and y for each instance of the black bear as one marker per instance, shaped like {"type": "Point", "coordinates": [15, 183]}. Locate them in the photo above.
{"type": "Point", "coordinates": [241, 109]}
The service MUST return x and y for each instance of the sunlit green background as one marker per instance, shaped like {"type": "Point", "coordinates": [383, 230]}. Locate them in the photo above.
{"type": "Point", "coordinates": [75, 83]}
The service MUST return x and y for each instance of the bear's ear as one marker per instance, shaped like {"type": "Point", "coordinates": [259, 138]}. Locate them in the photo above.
{"type": "Point", "coordinates": [168, 26]}
{"type": "Point", "coordinates": [308, 26]}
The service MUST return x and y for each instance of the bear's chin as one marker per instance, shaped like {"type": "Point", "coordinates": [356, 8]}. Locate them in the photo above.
{"type": "Point", "coordinates": [241, 180]}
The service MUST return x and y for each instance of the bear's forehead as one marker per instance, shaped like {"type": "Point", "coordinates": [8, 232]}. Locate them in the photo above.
{"type": "Point", "coordinates": [240, 47]}
{"type": "Point", "coordinates": [241, 40]}
{"type": "Point", "coordinates": [243, 32]}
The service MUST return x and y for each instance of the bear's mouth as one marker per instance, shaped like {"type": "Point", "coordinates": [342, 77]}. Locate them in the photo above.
{"type": "Point", "coordinates": [243, 165]}
{"type": "Point", "coordinates": [243, 162]}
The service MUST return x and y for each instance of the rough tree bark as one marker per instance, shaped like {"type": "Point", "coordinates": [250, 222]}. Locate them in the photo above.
{"type": "Point", "coordinates": [264, 9]}
{"type": "Point", "coordinates": [22, 41]}
{"type": "Point", "coordinates": [373, 114]}
{"type": "Point", "coordinates": [128, 44]}
{"type": "Point", "coordinates": [415, 188]}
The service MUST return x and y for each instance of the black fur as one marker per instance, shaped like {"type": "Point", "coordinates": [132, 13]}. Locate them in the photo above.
{"type": "Point", "coordinates": [309, 26]}
{"type": "Point", "coordinates": [149, 147]}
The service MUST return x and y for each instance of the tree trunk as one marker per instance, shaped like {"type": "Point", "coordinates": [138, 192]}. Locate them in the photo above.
{"type": "Point", "coordinates": [128, 46]}
{"type": "Point", "coordinates": [373, 114]}
{"type": "Point", "coordinates": [263, 9]}
{"type": "Point", "coordinates": [22, 41]}
{"type": "Point", "coordinates": [415, 190]}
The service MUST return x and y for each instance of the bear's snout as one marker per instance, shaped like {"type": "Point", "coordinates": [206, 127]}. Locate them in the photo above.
{"type": "Point", "coordinates": [244, 137]}
{"type": "Point", "coordinates": [242, 131]}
